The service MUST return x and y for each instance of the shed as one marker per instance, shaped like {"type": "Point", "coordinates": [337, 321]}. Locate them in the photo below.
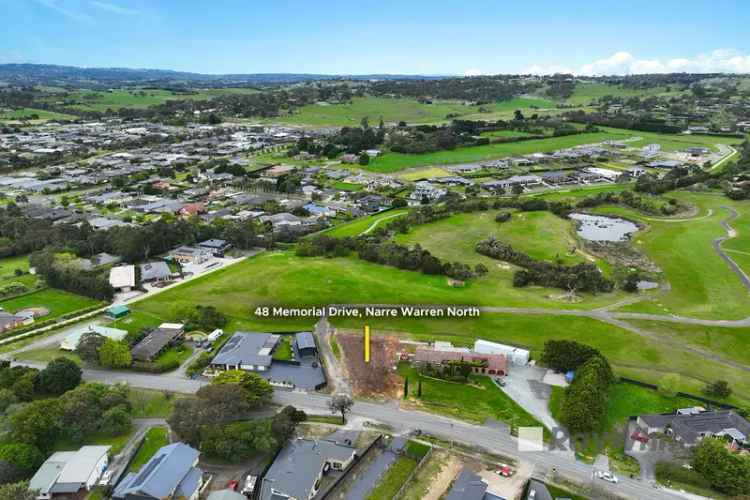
{"type": "Point", "coordinates": [118, 311]}
{"type": "Point", "coordinates": [305, 344]}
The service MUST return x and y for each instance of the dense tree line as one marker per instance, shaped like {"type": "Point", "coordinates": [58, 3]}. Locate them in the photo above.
{"type": "Point", "coordinates": [624, 120]}
{"type": "Point", "coordinates": [477, 89]}
{"type": "Point", "coordinates": [649, 205]}
{"type": "Point", "coordinates": [585, 405]}
{"type": "Point", "coordinates": [94, 283]}
{"type": "Point", "coordinates": [582, 277]}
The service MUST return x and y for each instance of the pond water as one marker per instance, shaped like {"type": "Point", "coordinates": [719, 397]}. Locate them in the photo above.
{"type": "Point", "coordinates": [600, 228]}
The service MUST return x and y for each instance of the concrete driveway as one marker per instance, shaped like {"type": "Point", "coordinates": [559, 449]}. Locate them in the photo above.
{"type": "Point", "coordinates": [524, 385]}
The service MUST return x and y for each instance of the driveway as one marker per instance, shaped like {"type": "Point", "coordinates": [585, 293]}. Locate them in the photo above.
{"type": "Point", "coordinates": [524, 385]}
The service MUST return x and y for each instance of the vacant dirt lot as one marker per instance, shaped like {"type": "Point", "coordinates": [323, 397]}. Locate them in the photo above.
{"type": "Point", "coordinates": [376, 378]}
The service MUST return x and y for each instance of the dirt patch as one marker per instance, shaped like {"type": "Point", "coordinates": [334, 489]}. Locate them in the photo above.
{"type": "Point", "coordinates": [378, 377]}
{"type": "Point", "coordinates": [507, 487]}
{"type": "Point", "coordinates": [442, 481]}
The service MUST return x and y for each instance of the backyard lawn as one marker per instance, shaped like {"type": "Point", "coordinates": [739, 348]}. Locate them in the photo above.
{"type": "Point", "coordinates": [393, 479]}
{"type": "Point", "coordinates": [58, 302]}
{"type": "Point", "coordinates": [156, 437]}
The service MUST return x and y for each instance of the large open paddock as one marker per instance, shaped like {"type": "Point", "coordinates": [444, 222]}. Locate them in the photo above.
{"type": "Point", "coordinates": [394, 162]}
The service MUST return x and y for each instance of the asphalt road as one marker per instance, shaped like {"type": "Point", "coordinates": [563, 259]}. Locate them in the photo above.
{"type": "Point", "coordinates": [483, 437]}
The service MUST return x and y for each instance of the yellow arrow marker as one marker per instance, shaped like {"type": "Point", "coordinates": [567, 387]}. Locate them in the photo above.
{"type": "Point", "coordinates": [367, 343]}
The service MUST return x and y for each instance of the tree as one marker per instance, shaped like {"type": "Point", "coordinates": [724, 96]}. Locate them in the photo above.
{"type": "Point", "coordinates": [7, 398]}
{"type": "Point", "coordinates": [718, 389]}
{"type": "Point", "coordinates": [17, 491]}
{"type": "Point", "coordinates": [419, 388]}
{"type": "Point", "coordinates": [406, 387]}
{"type": "Point", "coordinates": [36, 423]}
{"type": "Point", "coordinates": [114, 354]}
{"type": "Point", "coordinates": [728, 472]}
{"type": "Point", "coordinates": [516, 189]}
{"type": "Point", "coordinates": [256, 389]}
{"type": "Point", "coordinates": [25, 458]}
{"type": "Point", "coordinates": [518, 115]}
{"type": "Point", "coordinates": [88, 346]}
{"type": "Point", "coordinates": [364, 159]}
{"type": "Point", "coordinates": [341, 403]}
{"type": "Point", "coordinates": [60, 375]}
{"type": "Point", "coordinates": [565, 355]}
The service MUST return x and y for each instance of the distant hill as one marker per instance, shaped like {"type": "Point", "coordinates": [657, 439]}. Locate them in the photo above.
{"type": "Point", "coordinates": [50, 73]}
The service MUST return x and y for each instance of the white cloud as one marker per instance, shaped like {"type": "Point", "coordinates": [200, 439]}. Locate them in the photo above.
{"type": "Point", "coordinates": [624, 63]}
{"type": "Point", "coordinates": [114, 9]}
{"type": "Point", "coordinates": [59, 7]}
{"type": "Point", "coordinates": [473, 72]}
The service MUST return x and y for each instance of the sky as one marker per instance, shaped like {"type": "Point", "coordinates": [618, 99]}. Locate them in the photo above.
{"type": "Point", "coordinates": [437, 37]}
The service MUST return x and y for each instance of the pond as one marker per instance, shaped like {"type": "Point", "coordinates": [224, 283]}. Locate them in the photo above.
{"type": "Point", "coordinates": [600, 228]}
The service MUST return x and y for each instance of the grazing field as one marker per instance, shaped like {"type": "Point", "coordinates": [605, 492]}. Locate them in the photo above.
{"type": "Point", "coordinates": [586, 92]}
{"type": "Point", "coordinates": [281, 278]}
{"type": "Point", "coordinates": [102, 100]}
{"type": "Point", "coordinates": [394, 110]}
{"type": "Point", "coordinates": [702, 284]}
{"type": "Point", "coordinates": [58, 302]}
{"type": "Point", "coordinates": [475, 401]}
{"type": "Point", "coordinates": [9, 266]}
{"type": "Point", "coordinates": [731, 343]}
{"type": "Point", "coordinates": [32, 114]}
{"type": "Point", "coordinates": [393, 162]}
{"type": "Point", "coordinates": [542, 235]}
{"type": "Point", "coordinates": [359, 226]}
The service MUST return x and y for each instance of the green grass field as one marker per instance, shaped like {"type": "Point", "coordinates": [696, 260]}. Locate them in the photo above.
{"type": "Point", "coordinates": [359, 226]}
{"type": "Point", "coordinates": [586, 92]}
{"type": "Point", "coordinates": [156, 437]}
{"type": "Point", "coordinates": [393, 110]}
{"type": "Point", "coordinates": [393, 479]}
{"type": "Point", "coordinates": [394, 162]}
{"type": "Point", "coordinates": [58, 302]}
{"type": "Point", "coordinates": [702, 285]}
{"type": "Point", "coordinates": [475, 402]}
{"type": "Point", "coordinates": [150, 404]}
{"type": "Point", "coordinates": [178, 354]}
{"type": "Point", "coordinates": [27, 114]}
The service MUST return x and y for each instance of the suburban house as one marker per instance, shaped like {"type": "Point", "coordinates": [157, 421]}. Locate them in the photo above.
{"type": "Point", "coordinates": [226, 495]}
{"type": "Point", "coordinates": [281, 220]}
{"type": "Point", "coordinates": [469, 486]}
{"type": "Point", "coordinates": [122, 278]}
{"type": "Point", "coordinates": [444, 352]}
{"type": "Point", "coordinates": [537, 490]}
{"type": "Point", "coordinates": [689, 425]}
{"type": "Point", "coordinates": [373, 203]}
{"type": "Point", "coordinates": [425, 190]}
{"type": "Point", "coordinates": [217, 247]}
{"type": "Point", "coordinates": [300, 466]}
{"type": "Point", "coordinates": [253, 351]}
{"type": "Point", "coordinates": [191, 255]}
{"type": "Point", "coordinates": [155, 271]}
{"type": "Point", "coordinates": [171, 474]}
{"type": "Point", "coordinates": [516, 180]}
{"type": "Point", "coordinates": [70, 474]}
{"type": "Point", "coordinates": [70, 343]}
{"type": "Point", "coordinates": [9, 321]}
{"type": "Point", "coordinates": [157, 341]}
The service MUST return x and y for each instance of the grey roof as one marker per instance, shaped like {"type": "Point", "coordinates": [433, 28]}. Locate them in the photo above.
{"type": "Point", "coordinates": [154, 270]}
{"type": "Point", "coordinates": [67, 471]}
{"type": "Point", "coordinates": [540, 490]}
{"type": "Point", "coordinates": [154, 342]}
{"type": "Point", "coordinates": [247, 348]}
{"type": "Point", "coordinates": [467, 486]}
{"type": "Point", "coordinates": [305, 340]}
{"type": "Point", "coordinates": [170, 471]}
{"type": "Point", "coordinates": [690, 427]}
{"type": "Point", "coordinates": [213, 243]}
{"type": "Point", "coordinates": [298, 466]}
{"type": "Point", "coordinates": [226, 495]}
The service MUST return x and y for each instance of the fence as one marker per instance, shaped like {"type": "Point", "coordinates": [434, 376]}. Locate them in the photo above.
{"type": "Point", "coordinates": [707, 401]}
{"type": "Point", "coordinates": [419, 466]}
{"type": "Point", "coordinates": [322, 495]}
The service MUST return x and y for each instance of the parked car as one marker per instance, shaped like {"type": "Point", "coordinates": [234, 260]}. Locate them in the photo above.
{"type": "Point", "coordinates": [607, 476]}
{"type": "Point", "coordinates": [500, 381]}
{"type": "Point", "coordinates": [505, 471]}
{"type": "Point", "coordinates": [106, 477]}
{"type": "Point", "coordinates": [637, 436]}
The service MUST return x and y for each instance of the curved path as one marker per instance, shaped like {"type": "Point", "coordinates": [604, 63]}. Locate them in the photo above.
{"type": "Point", "coordinates": [731, 233]}
{"type": "Point", "coordinates": [375, 223]}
